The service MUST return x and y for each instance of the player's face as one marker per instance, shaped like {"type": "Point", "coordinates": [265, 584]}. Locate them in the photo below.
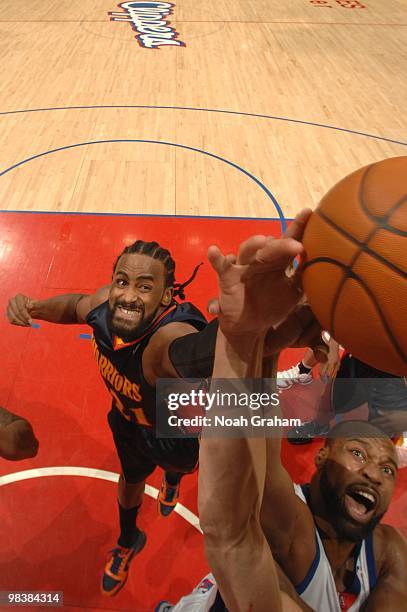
{"type": "Point", "coordinates": [357, 482]}
{"type": "Point", "coordinates": [137, 294]}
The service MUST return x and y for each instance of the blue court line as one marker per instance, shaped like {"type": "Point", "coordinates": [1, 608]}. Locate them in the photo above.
{"type": "Point", "coordinates": [210, 110]}
{"type": "Point", "coordinates": [127, 214]}
{"type": "Point", "coordinates": [159, 142]}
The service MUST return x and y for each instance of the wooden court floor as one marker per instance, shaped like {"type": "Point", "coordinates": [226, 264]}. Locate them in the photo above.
{"type": "Point", "coordinates": [297, 94]}
{"type": "Point", "coordinates": [264, 106]}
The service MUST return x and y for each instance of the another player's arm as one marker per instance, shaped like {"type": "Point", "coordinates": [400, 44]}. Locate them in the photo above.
{"type": "Point", "coordinates": [390, 592]}
{"type": "Point", "coordinates": [285, 519]}
{"type": "Point", "coordinates": [17, 439]}
{"type": "Point", "coordinates": [231, 484]}
{"type": "Point", "coordinates": [255, 297]}
{"type": "Point", "coordinates": [68, 309]}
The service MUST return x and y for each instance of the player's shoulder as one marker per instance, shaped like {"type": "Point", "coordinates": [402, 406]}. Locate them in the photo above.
{"type": "Point", "coordinates": [87, 303]}
{"type": "Point", "coordinates": [100, 296]}
{"type": "Point", "coordinates": [177, 322]}
{"type": "Point", "coordinates": [388, 534]}
{"type": "Point", "coordinates": [171, 331]}
{"type": "Point", "coordinates": [390, 546]}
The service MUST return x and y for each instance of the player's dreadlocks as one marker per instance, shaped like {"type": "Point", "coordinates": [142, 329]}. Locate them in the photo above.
{"type": "Point", "coordinates": [154, 250]}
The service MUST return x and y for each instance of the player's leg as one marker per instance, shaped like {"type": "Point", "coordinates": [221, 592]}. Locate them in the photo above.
{"type": "Point", "coordinates": [177, 457]}
{"type": "Point", "coordinates": [319, 425]}
{"type": "Point", "coordinates": [342, 394]}
{"type": "Point", "coordinates": [169, 492]}
{"type": "Point", "coordinates": [387, 401]}
{"type": "Point", "coordinates": [301, 373]}
{"type": "Point", "coordinates": [130, 497]}
{"type": "Point", "coordinates": [135, 469]}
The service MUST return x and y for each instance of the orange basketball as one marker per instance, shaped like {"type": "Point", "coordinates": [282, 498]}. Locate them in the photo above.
{"type": "Point", "coordinates": [355, 274]}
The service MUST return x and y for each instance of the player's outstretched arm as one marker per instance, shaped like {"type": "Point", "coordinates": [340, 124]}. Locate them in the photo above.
{"type": "Point", "coordinates": [231, 483]}
{"type": "Point", "coordinates": [68, 308]}
{"type": "Point", "coordinates": [255, 296]}
{"type": "Point", "coordinates": [17, 439]}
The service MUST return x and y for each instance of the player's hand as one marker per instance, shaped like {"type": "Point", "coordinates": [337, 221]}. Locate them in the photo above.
{"type": "Point", "coordinates": [299, 330]}
{"type": "Point", "coordinates": [330, 368]}
{"type": "Point", "coordinates": [18, 310]}
{"type": "Point", "coordinates": [255, 293]}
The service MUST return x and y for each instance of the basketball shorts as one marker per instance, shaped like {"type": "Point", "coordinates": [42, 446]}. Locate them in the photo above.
{"type": "Point", "coordinates": [357, 383]}
{"type": "Point", "coordinates": [140, 452]}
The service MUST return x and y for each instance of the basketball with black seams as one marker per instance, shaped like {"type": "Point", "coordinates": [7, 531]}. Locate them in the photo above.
{"type": "Point", "coordinates": [355, 270]}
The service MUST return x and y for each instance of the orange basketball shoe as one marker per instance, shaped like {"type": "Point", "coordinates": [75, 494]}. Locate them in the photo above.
{"type": "Point", "coordinates": [168, 497]}
{"type": "Point", "coordinates": [117, 568]}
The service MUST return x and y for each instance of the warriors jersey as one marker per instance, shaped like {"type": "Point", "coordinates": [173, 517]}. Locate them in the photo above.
{"type": "Point", "coordinates": [120, 363]}
{"type": "Point", "coordinates": [318, 588]}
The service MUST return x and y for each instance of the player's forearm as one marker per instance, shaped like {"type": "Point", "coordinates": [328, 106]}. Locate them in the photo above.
{"type": "Point", "coordinates": [246, 573]}
{"type": "Point", "coordinates": [231, 484]}
{"type": "Point", "coordinates": [58, 309]}
{"type": "Point", "coordinates": [238, 356]}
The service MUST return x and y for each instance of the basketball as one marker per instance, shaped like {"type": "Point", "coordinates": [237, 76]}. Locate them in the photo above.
{"type": "Point", "coordinates": [355, 268]}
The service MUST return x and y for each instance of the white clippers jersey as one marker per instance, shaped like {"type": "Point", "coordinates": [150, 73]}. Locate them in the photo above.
{"type": "Point", "coordinates": [201, 599]}
{"type": "Point", "coordinates": [318, 588]}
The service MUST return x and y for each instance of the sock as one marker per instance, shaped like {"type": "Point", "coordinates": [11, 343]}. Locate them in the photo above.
{"type": "Point", "coordinates": [128, 527]}
{"type": "Point", "coordinates": [303, 368]}
{"type": "Point", "coordinates": [173, 478]}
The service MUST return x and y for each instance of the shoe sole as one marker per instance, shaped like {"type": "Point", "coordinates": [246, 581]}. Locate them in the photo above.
{"type": "Point", "coordinates": [299, 441]}
{"type": "Point", "coordinates": [295, 382]}
{"type": "Point", "coordinates": [307, 440]}
{"type": "Point", "coordinates": [288, 386]}
{"type": "Point", "coordinates": [119, 587]}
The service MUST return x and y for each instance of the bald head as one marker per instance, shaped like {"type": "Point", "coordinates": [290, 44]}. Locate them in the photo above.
{"type": "Point", "coordinates": [363, 430]}
{"type": "Point", "coordinates": [350, 429]}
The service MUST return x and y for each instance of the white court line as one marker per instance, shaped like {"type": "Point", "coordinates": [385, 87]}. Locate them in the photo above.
{"type": "Point", "coordinates": [69, 470]}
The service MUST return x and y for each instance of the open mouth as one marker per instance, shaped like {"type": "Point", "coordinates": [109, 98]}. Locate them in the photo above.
{"type": "Point", "coordinates": [128, 314]}
{"type": "Point", "coordinates": [360, 503]}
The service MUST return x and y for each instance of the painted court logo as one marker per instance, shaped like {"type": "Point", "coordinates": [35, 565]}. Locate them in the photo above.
{"type": "Point", "coordinates": [148, 20]}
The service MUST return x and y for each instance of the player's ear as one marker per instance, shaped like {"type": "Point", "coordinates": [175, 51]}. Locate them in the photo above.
{"type": "Point", "coordinates": [321, 457]}
{"type": "Point", "coordinates": [167, 296]}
